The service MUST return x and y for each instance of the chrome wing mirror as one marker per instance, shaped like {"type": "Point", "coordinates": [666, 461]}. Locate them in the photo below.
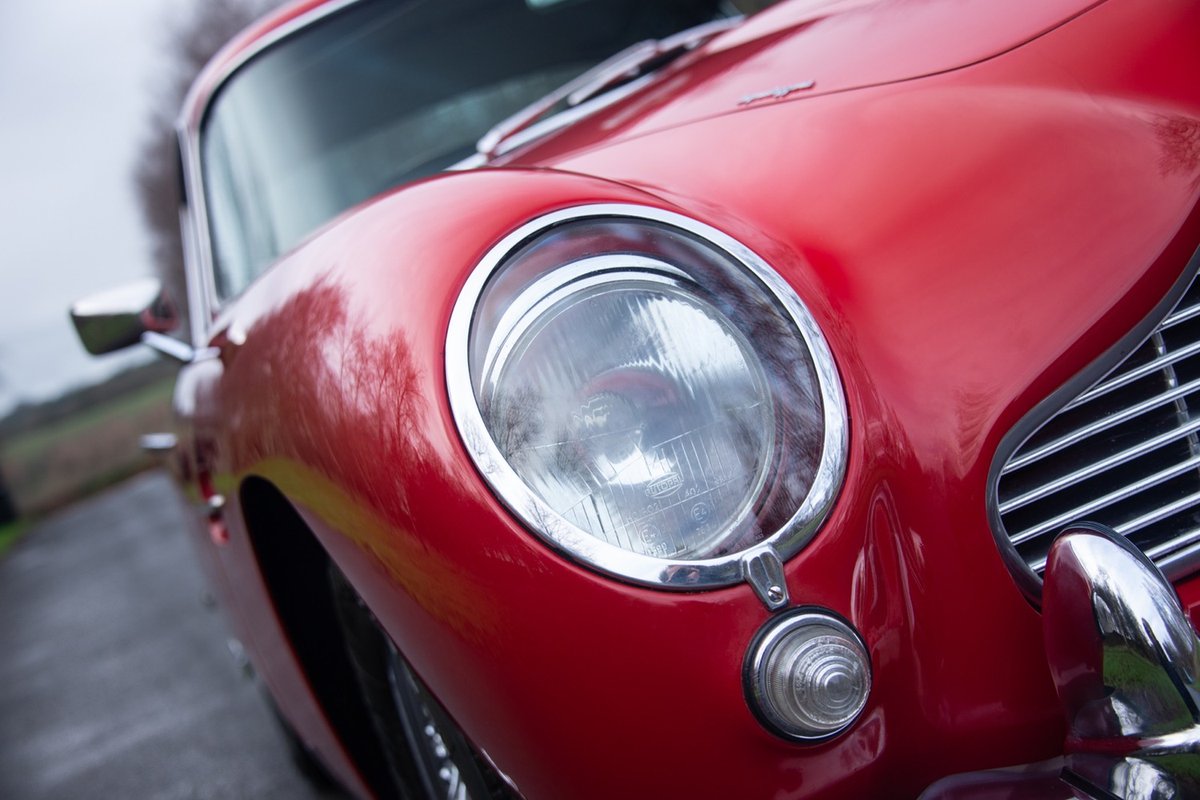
{"type": "Point", "coordinates": [139, 312]}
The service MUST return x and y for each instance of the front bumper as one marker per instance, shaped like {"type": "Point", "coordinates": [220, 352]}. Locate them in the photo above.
{"type": "Point", "coordinates": [1125, 662]}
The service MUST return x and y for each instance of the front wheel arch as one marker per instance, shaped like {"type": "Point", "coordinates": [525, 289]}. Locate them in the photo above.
{"type": "Point", "coordinates": [295, 569]}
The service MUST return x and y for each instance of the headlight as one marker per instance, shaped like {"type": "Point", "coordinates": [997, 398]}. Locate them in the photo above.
{"type": "Point", "coordinates": [646, 395]}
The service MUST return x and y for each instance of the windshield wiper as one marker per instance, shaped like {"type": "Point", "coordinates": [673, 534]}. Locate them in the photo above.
{"type": "Point", "coordinates": [634, 62]}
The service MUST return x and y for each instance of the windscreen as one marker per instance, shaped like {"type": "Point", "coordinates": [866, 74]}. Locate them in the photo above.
{"type": "Point", "coordinates": [386, 91]}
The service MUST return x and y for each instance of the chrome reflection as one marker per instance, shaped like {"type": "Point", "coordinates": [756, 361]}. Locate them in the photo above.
{"type": "Point", "coordinates": [1122, 653]}
{"type": "Point", "coordinates": [1125, 661]}
{"type": "Point", "coordinates": [1129, 778]}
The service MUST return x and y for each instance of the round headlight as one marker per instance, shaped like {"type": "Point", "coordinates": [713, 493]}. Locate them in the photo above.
{"type": "Point", "coordinates": [646, 394]}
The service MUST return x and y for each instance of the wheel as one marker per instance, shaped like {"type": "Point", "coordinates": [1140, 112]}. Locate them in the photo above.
{"type": "Point", "coordinates": [429, 756]}
{"type": "Point", "coordinates": [446, 764]}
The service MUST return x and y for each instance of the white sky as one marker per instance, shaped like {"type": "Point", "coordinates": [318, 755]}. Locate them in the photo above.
{"type": "Point", "coordinates": [76, 82]}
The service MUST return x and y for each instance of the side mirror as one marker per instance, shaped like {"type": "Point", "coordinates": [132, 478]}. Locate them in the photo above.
{"type": "Point", "coordinates": [138, 312]}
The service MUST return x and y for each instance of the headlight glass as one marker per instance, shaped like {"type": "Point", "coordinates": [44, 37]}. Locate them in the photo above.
{"type": "Point", "coordinates": [646, 394]}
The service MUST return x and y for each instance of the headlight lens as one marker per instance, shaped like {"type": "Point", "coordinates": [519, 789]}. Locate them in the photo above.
{"type": "Point", "coordinates": [646, 394]}
{"type": "Point", "coordinates": [637, 412]}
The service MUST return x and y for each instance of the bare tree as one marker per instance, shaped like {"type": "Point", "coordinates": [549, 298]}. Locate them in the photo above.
{"type": "Point", "coordinates": [190, 42]}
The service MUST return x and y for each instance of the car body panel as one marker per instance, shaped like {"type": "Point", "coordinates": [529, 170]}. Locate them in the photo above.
{"type": "Point", "coordinates": [952, 304]}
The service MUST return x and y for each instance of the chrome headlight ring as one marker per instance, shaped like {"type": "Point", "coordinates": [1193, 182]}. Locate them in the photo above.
{"type": "Point", "coordinates": [589, 317]}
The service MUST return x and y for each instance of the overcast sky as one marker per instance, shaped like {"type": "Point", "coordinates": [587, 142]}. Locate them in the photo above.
{"type": "Point", "coordinates": [76, 82]}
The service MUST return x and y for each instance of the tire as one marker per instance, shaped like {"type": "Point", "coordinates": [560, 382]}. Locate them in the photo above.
{"type": "Point", "coordinates": [429, 756]}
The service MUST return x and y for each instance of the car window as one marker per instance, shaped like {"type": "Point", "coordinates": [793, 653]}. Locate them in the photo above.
{"type": "Point", "coordinates": [384, 92]}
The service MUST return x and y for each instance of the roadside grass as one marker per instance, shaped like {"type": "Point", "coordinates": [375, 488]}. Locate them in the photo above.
{"type": "Point", "coordinates": [10, 533]}
{"type": "Point", "coordinates": [55, 464]}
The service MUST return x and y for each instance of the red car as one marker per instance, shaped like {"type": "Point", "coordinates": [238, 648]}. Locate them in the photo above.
{"type": "Point", "coordinates": [705, 423]}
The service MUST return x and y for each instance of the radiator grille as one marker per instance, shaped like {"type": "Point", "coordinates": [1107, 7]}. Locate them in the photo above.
{"type": "Point", "coordinates": [1126, 453]}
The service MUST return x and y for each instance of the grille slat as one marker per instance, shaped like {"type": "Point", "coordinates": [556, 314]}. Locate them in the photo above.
{"type": "Point", "coordinates": [1125, 378]}
{"type": "Point", "coordinates": [1125, 452]}
{"type": "Point", "coordinates": [1054, 524]}
{"type": "Point", "coordinates": [1170, 553]}
{"type": "Point", "coordinates": [1180, 316]}
{"type": "Point", "coordinates": [1101, 425]}
{"type": "Point", "coordinates": [1158, 514]}
{"type": "Point", "coordinates": [1094, 469]}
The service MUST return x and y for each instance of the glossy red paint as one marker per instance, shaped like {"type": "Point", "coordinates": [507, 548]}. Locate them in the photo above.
{"type": "Point", "coordinates": [967, 241]}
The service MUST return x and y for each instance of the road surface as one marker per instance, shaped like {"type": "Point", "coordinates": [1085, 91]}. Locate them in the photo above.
{"type": "Point", "coordinates": [115, 680]}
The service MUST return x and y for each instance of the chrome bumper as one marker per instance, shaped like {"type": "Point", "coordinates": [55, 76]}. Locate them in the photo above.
{"type": "Point", "coordinates": [1125, 662]}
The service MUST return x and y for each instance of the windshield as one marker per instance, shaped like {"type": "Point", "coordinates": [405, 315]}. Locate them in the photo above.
{"type": "Point", "coordinates": [384, 92]}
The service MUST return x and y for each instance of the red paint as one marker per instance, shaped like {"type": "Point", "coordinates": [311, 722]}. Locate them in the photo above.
{"type": "Point", "coordinates": [967, 241]}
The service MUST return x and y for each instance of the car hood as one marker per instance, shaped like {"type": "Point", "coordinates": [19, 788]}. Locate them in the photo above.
{"type": "Point", "coordinates": [810, 48]}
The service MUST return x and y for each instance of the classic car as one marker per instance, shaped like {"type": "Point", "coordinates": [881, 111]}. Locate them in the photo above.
{"type": "Point", "coordinates": [600, 398]}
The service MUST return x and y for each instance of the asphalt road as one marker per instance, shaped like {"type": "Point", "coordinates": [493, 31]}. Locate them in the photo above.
{"type": "Point", "coordinates": [115, 680]}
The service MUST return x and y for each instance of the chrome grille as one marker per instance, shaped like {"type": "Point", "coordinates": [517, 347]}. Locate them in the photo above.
{"type": "Point", "coordinates": [1125, 452]}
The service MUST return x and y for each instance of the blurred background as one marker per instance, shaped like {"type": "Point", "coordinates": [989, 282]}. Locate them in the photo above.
{"type": "Point", "coordinates": [114, 682]}
{"type": "Point", "coordinates": [87, 201]}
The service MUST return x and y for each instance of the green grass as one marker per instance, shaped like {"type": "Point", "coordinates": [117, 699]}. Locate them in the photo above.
{"type": "Point", "coordinates": [55, 464]}
{"type": "Point", "coordinates": [10, 533]}
{"type": "Point", "coordinates": [145, 400]}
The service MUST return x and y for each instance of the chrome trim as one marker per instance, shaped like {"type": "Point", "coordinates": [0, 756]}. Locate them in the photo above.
{"type": "Point", "coordinates": [169, 346]}
{"type": "Point", "coordinates": [1081, 512]}
{"type": "Point", "coordinates": [1126, 378]}
{"type": "Point", "coordinates": [1100, 425]}
{"type": "Point", "coordinates": [193, 286]}
{"type": "Point", "coordinates": [202, 296]}
{"type": "Point", "coordinates": [1134, 695]}
{"type": "Point", "coordinates": [1180, 316]}
{"type": "Point", "coordinates": [1103, 465]}
{"type": "Point", "coordinates": [562, 119]}
{"type": "Point", "coordinates": [1182, 561]}
{"type": "Point", "coordinates": [574, 542]}
{"type": "Point", "coordinates": [1086, 384]}
{"type": "Point", "coordinates": [778, 93]}
{"type": "Point", "coordinates": [764, 572]}
{"type": "Point", "coordinates": [581, 92]}
{"type": "Point", "coordinates": [761, 647]}
{"type": "Point", "coordinates": [1162, 512]}
{"type": "Point", "coordinates": [215, 506]}
{"type": "Point", "coordinates": [158, 443]}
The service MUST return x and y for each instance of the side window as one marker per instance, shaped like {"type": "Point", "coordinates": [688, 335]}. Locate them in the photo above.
{"type": "Point", "coordinates": [242, 242]}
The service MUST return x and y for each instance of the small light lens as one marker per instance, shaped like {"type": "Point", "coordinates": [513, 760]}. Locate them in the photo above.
{"type": "Point", "coordinates": [808, 676]}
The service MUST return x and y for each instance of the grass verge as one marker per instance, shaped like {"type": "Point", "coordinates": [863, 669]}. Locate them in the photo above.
{"type": "Point", "coordinates": [10, 533]}
{"type": "Point", "coordinates": [60, 462]}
